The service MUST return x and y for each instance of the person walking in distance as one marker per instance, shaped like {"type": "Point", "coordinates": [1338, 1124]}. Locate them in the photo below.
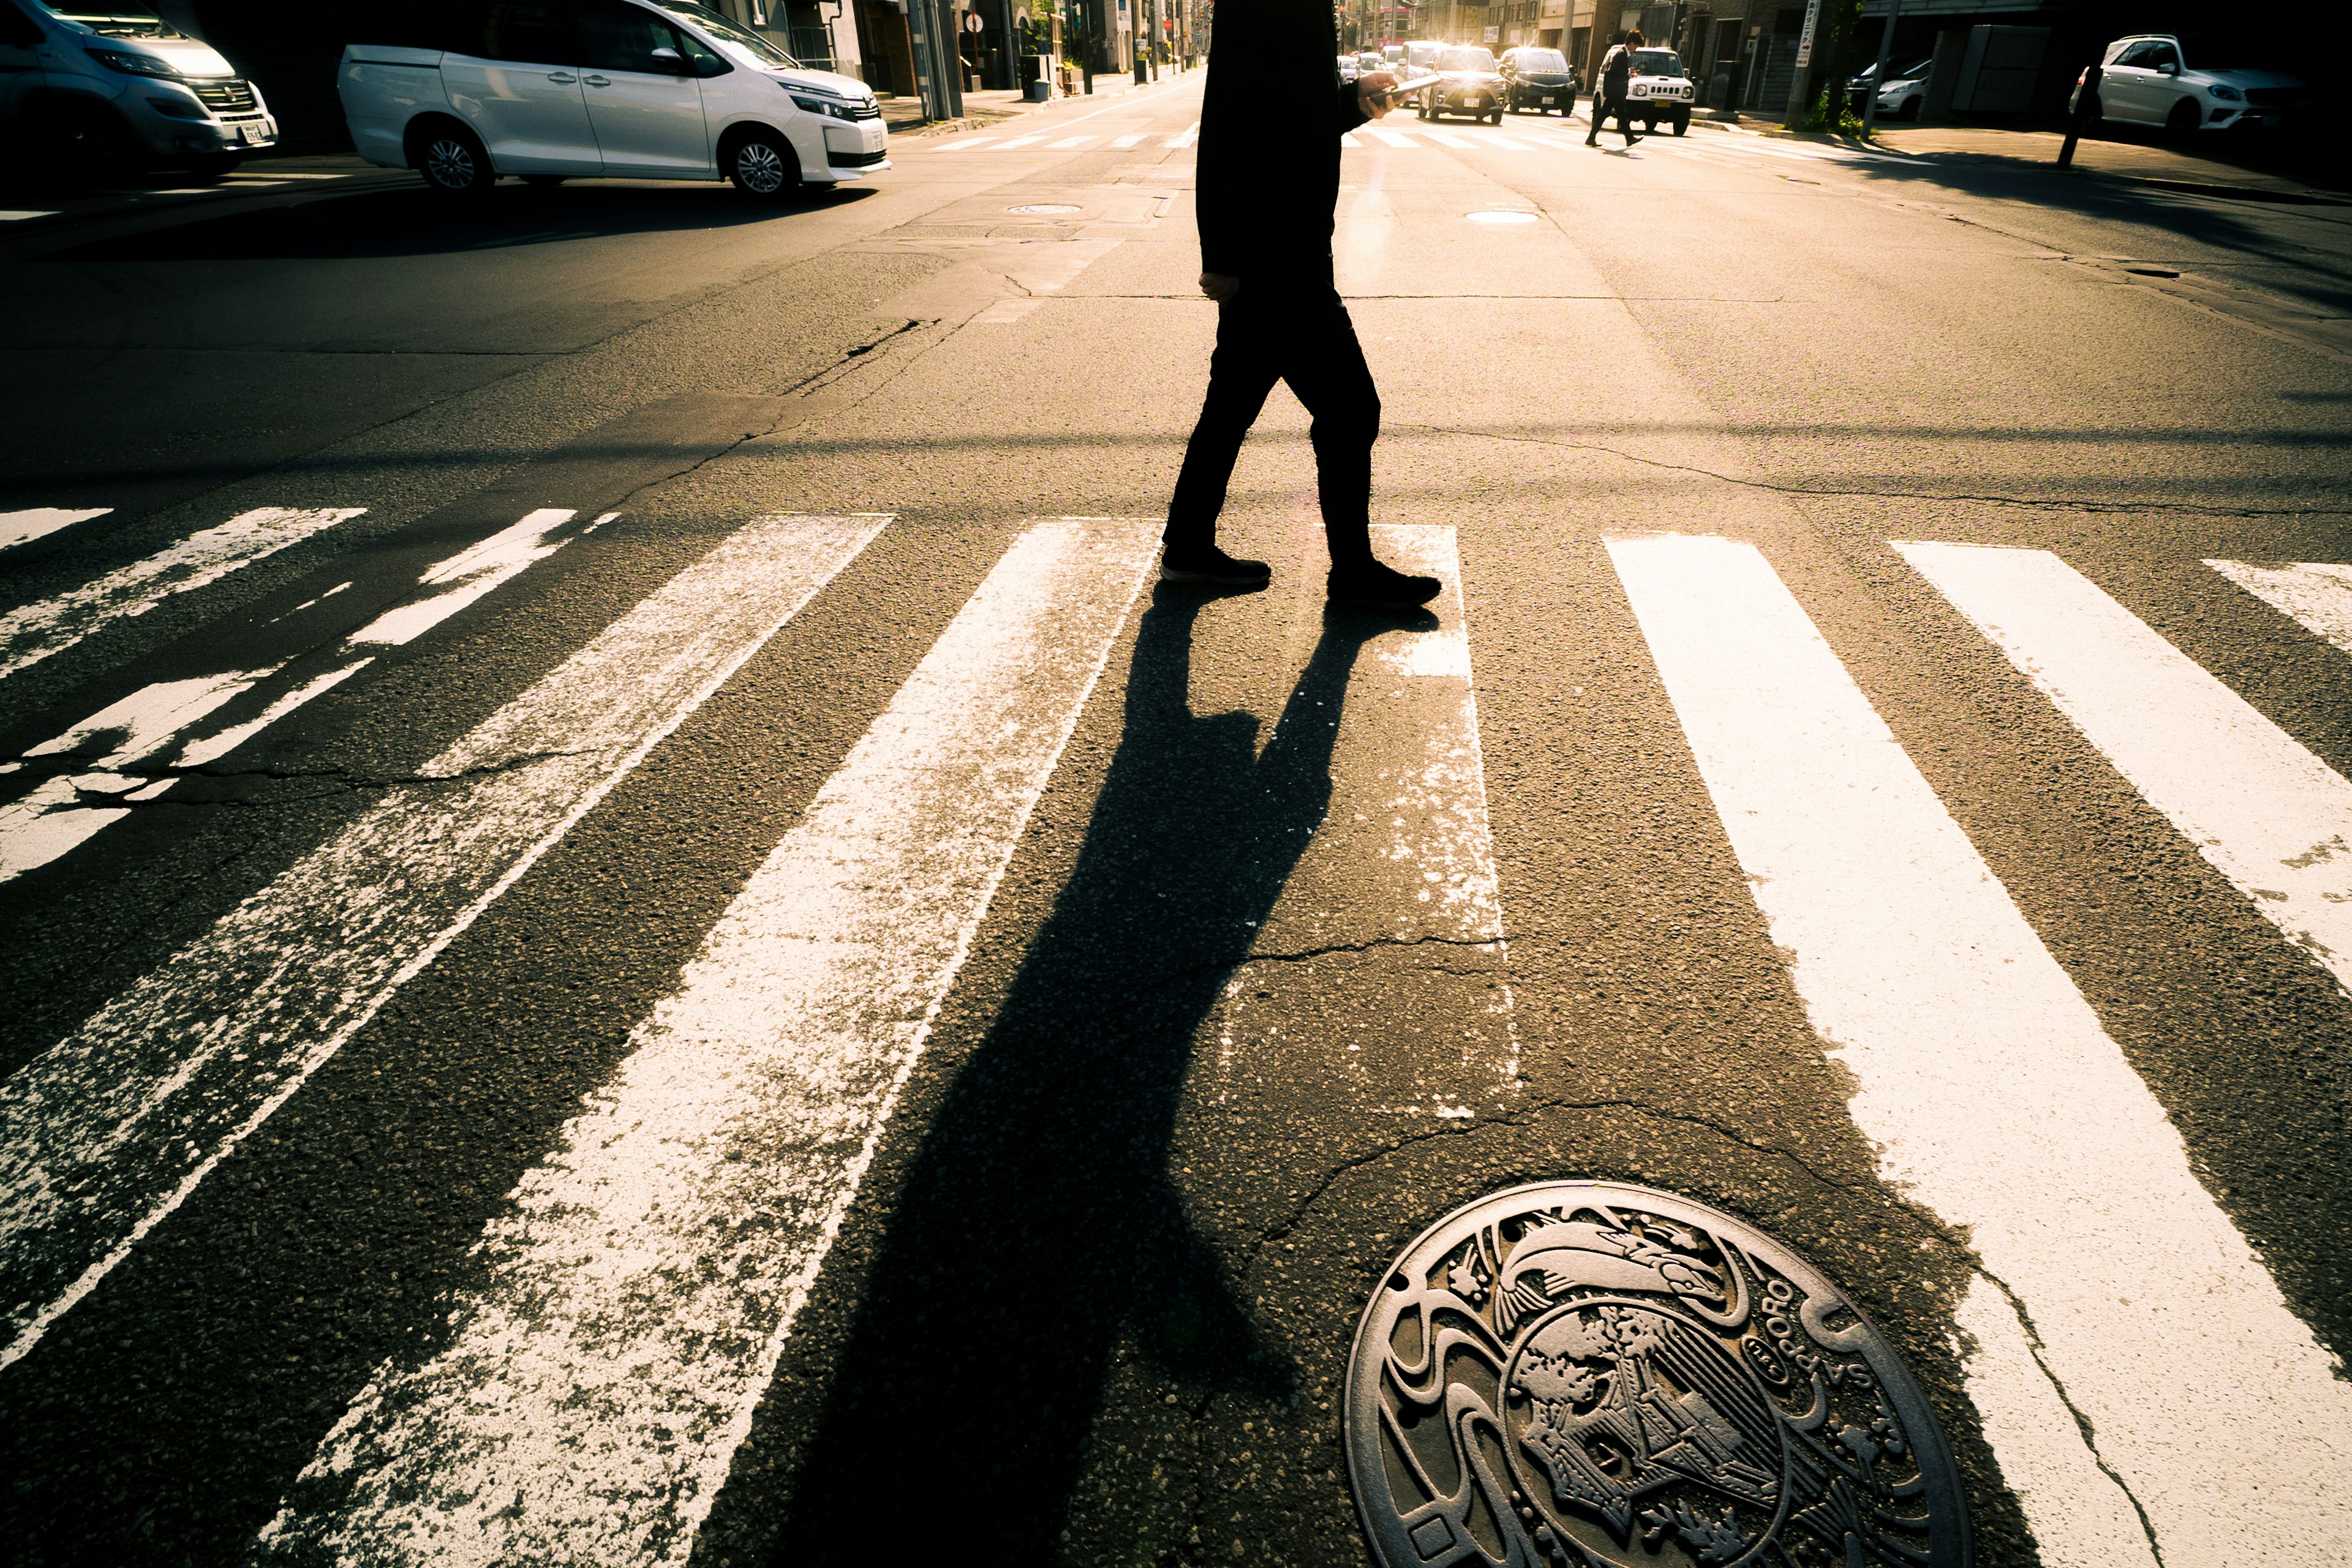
{"type": "Point", "coordinates": [1616, 76]}
{"type": "Point", "coordinates": [1267, 183]}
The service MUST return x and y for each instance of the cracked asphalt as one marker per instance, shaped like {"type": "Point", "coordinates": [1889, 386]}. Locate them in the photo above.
{"type": "Point", "coordinates": [1207, 1066]}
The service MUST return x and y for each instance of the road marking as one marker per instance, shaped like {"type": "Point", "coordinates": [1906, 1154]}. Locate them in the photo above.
{"type": "Point", "coordinates": [2266, 814]}
{"type": "Point", "coordinates": [1995, 1096]}
{"type": "Point", "coordinates": [49, 820]}
{"type": "Point", "coordinates": [1348, 138]}
{"type": "Point", "coordinates": [1018, 142]}
{"type": "Point", "coordinates": [32, 631]}
{"type": "Point", "coordinates": [640, 1293]}
{"type": "Point", "coordinates": [961, 144]}
{"type": "Point", "coordinates": [20, 216]}
{"type": "Point", "coordinates": [1393, 138]}
{"type": "Point", "coordinates": [1448, 139]}
{"type": "Point", "coordinates": [1079, 140]}
{"type": "Point", "coordinates": [1126, 141]}
{"type": "Point", "coordinates": [23, 527]}
{"type": "Point", "coordinates": [2317, 593]}
{"type": "Point", "coordinates": [1505, 142]}
{"type": "Point", "coordinates": [1190, 134]}
{"type": "Point", "coordinates": [107, 1132]}
{"type": "Point", "coordinates": [54, 817]}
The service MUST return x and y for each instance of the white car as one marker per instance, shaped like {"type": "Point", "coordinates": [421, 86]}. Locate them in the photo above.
{"type": "Point", "coordinates": [109, 81]}
{"type": "Point", "coordinates": [1659, 91]}
{"type": "Point", "coordinates": [2191, 83]}
{"type": "Point", "coordinates": [1905, 92]}
{"type": "Point", "coordinates": [671, 90]}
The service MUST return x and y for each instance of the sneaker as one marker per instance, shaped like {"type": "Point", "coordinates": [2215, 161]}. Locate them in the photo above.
{"type": "Point", "coordinates": [1376, 586]}
{"type": "Point", "coordinates": [1209, 566]}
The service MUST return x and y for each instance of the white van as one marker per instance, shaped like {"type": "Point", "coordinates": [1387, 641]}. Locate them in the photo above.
{"type": "Point", "coordinates": [109, 81]}
{"type": "Point", "coordinates": [550, 89]}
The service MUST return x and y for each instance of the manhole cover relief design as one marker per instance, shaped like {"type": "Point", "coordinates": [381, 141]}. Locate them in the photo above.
{"type": "Point", "coordinates": [1593, 1375]}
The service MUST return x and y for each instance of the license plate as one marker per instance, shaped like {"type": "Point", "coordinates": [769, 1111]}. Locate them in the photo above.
{"type": "Point", "coordinates": [1548, 98]}
{"type": "Point", "coordinates": [252, 135]}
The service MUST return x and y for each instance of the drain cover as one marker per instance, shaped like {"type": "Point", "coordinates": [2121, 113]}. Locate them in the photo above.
{"type": "Point", "coordinates": [1045, 207]}
{"type": "Point", "coordinates": [1593, 1375]}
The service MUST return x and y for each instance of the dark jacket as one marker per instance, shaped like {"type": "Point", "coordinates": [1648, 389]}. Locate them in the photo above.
{"type": "Point", "coordinates": [1270, 123]}
{"type": "Point", "coordinates": [1616, 71]}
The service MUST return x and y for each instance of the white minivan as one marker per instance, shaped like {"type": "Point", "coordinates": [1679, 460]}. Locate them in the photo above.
{"type": "Point", "coordinates": [467, 92]}
{"type": "Point", "coordinates": [111, 82]}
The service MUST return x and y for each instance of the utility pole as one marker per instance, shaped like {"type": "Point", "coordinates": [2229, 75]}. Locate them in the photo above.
{"type": "Point", "coordinates": [1800, 99]}
{"type": "Point", "coordinates": [1878, 77]}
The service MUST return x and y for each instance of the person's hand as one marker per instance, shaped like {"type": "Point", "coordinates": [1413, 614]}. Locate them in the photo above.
{"type": "Point", "coordinates": [1373, 92]}
{"type": "Point", "coordinates": [1220, 285]}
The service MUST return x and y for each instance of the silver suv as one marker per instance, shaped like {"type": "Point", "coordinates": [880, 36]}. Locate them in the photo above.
{"type": "Point", "coordinates": [2191, 83]}
{"type": "Point", "coordinates": [111, 82]}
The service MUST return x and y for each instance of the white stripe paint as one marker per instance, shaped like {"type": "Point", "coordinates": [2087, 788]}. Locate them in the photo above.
{"type": "Point", "coordinates": [54, 818]}
{"type": "Point", "coordinates": [32, 631]}
{"type": "Point", "coordinates": [1393, 138]}
{"type": "Point", "coordinates": [1018, 142]}
{"type": "Point", "coordinates": [46, 823]}
{"type": "Point", "coordinates": [23, 527]}
{"type": "Point", "coordinates": [111, 1129]}
{"type": "Point", "coordinates": [20, 215]}
{"type": "Point", "coordinates": [1126, 141]}
{"type": "Point", "coordinates": [2270, 817]}
{"type": "Point", "coordinates": [1069, 142]}
{"type": "Point", "coordinates": [2081, 1518]}
{"type": "Point", "coordinates": [1995, 1099]}
{"type": "Point", "coordinates": [1348, 138]}
{"type": "Point", "coordinates": [2316, 593]}
{"type": "Point", "coordinates": [640, 1292]}
{"type": "Point", "coordinates": [1448, 139]}
{"type": "Point", "coordinates": [1503, 141]}
{"type": "Point", "coordinates": [963, 144]}
{"type": "Point", "coordinates": [1190, 134]}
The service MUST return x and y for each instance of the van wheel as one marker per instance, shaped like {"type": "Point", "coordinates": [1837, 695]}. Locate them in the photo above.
{"type": "Point", "coordinates": [92, 141]}
{"type": "Point", "coordinates": [453, 162]}
{"type": "Point", "coordinates": [762, 164]}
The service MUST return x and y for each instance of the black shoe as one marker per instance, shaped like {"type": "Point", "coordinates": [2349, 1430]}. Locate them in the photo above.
{"type": "Point", "coordinates": [1209, 567]}
{"type": "Point", "coordinates": [1374, 586]}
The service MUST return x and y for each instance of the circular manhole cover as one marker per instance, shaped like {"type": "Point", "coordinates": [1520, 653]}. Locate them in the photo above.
{"type": "Point", "coordinates": [1505, 215]}
{"type": "Point", "coordinates": [1593, 1375]}
{"type": "Point", "coordinates": [1044, 208]}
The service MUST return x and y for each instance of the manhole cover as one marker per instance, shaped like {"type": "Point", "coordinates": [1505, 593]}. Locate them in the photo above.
{"type": "Point", "coordinates": [1504, 216]}
{"type": "Point", "coordinates": [1593, 1375]}
{"type": "Point", "coordinates": [1044, 208]}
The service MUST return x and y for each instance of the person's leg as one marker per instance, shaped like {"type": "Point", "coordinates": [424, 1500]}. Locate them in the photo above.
{"type": "Point", "coordinates": [1242, 371]}
{"type": "Point", "coordinates": [1323, 364]}
{"type": "Point", "coordinates": [1597, 108]}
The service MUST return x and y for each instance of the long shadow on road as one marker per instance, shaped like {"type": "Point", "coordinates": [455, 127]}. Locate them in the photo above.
{"type": "Point", "coordinates": [1038, 1221]}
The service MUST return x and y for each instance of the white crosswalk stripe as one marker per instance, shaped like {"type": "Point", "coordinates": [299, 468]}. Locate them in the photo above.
{"type": "Point", "coordinates": [2270, 817]}
{"type": "Point", "coordinates": [1079, 140]}
{"type": "Point", "coordinates": [110, 1129]}
{"type": "Point", "coordinates": [599, 1386]}
{"type": "Point", "coordinates": [2316, 593]}
{"type": "Point", "coordinates": [1129, 139]}
{"type": "Point", "coordinates": [23, 527]}
{"type": "Point", "coordinates": [1190, 134]}
{"type": "Point", "coordinates": [32, 633]}
{"type": "Point", "coordinates": [1995, 1095]}
{"type": "Point", "coordinates": [163, 726]}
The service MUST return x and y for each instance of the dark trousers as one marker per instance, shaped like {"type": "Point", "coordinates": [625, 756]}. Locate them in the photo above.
{"type": "Point", "coordinates": [1602, 107]}
{"type": "Point", "coordinates": [1301, 336]}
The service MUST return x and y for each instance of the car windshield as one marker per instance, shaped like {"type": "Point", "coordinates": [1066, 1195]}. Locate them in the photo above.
{"type": "Point", "coordinates": [1913, 71]}
{"type": "Point", "coordinates": [119, 19]}
{"type": "Point", "coordinates": [728, 31]}
{"type": "Point", "coordinates": [1657, 62]}
{"type": "Point", "coordinates": [1541, 60]}
{"type": "Point", "coordinates": [2220, 52]}
{"type": "Point", "coordinates": [1474, 60]}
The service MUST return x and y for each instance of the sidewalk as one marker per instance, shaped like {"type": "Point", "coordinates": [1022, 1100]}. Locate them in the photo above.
{"type": "Point", "coordinates": [2139, 163]}
{"type": "Point", "coordinates": [991, 105]}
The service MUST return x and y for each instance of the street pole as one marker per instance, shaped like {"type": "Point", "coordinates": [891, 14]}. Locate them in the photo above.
{"type": "Point", "coordinates": [1878, 77]}
{"type": "Point", "coordinates": [2086, 94]}
{"type": "Point", "coordinates": [1802, 79]}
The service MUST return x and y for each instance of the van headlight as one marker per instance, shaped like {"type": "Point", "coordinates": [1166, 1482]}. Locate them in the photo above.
{"type": "Point", "coordinates": [131, 64]}
{"type": "Point", "coordinates": [825, 106]}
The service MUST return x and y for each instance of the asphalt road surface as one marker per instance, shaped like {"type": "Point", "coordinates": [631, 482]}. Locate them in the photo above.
{"type": "Point", "coordinates": [636, 935]}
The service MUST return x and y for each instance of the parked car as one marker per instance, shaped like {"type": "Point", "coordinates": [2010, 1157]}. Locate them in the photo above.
{"type": "Point", "coordinates": [1467, 83]}
{"type": "Point", "coordinates": [1420, 58]}
{"type": "Point", "coordinates": [1904, 96]}
{"type": "Point", "coordinates": [1349, 68]}
{"type": "Point", "coordinates": [1659, 92]}
{"type": "Point", "coordinates": [1860, 85]}
{"type": "Point", "coordinates": [1370, 61]}
{"type": "Point", "coordinates": [1537, 79]}
{"type": "Point", "coordinates": [481, 89]}
{"type": "Point", "coordinates": [111, 84]}
{"type": "Point", "coordinates": [2191, 83]}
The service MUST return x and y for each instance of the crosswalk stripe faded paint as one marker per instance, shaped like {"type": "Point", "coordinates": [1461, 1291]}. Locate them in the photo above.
{"type": "Point", "coordinates": [2315, 592]}
{"type": "Point", "coordinates": [1997, 1100]}
{"type": "Point", "coordinates": [108, 1132]}
{"type": "Point", "coordinates": [598, 1385]}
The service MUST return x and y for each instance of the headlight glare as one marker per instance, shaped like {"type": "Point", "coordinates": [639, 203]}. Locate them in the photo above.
{"type": "Point", "coordinates": [2228, 94]}
{"type": "Point", "coordinates": [131, 64]}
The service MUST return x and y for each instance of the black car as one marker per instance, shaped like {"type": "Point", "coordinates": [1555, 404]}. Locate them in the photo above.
{"type": "Point", "coordinates": [1467, 84]}
{"type": "Point", "coordinates": [1537, 79]}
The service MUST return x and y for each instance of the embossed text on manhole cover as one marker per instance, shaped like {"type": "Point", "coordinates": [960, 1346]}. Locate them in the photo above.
{"type": "Point", "coordinates": [1595, 1376]}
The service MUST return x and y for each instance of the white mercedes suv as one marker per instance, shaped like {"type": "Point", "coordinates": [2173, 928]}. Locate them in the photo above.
{"type": "Point", "coordinates": [2191, 83]}
{"type": "Point", "coordinates": [552, 89]}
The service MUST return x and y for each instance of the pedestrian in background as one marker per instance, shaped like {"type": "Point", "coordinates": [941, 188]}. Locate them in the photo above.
{"type": "Point", "coordinates": [1616, 77]}
{"type": "Point", "coordinates": [1267, 185]}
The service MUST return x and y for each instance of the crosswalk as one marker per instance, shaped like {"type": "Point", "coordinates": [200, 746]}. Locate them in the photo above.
{"type": "Point", "coordinates": [636, 1294]}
